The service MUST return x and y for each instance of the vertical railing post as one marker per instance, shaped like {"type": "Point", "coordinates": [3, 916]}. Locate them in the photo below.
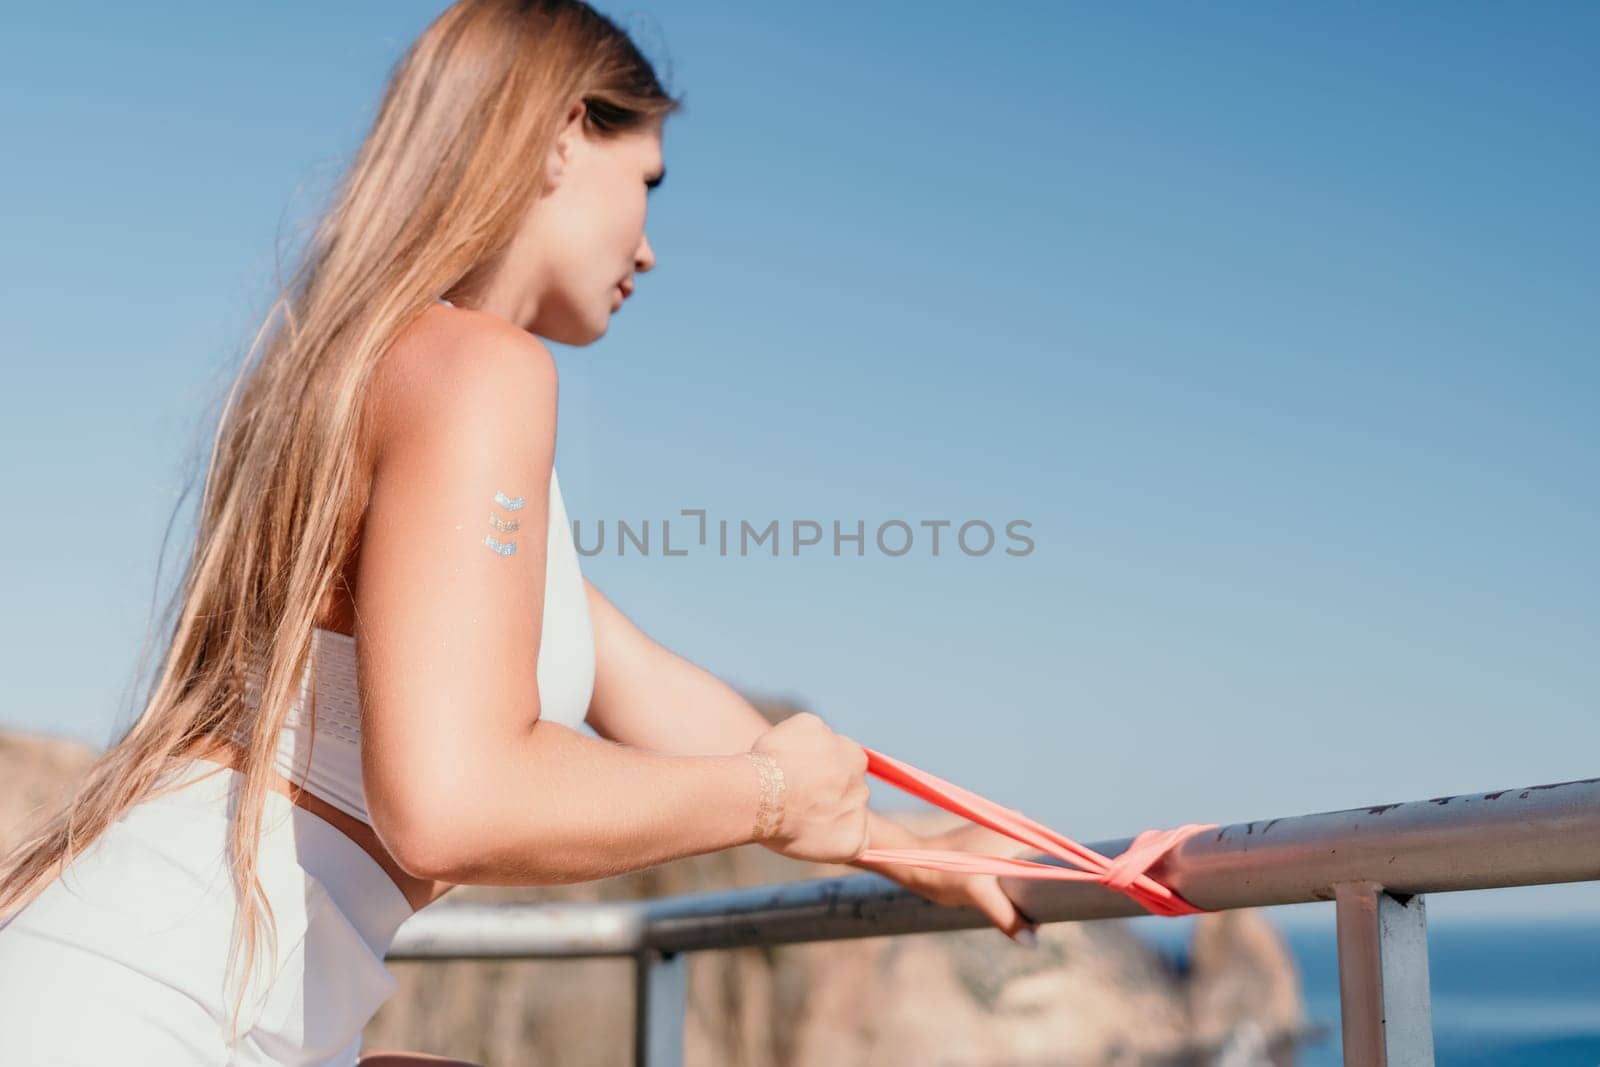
{"type": "Point", "coordinates": [1383, 977]}
{"type": "Point", "coordinates": [661, 999]}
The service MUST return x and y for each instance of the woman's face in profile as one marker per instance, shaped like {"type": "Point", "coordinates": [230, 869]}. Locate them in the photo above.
{"type": "Point", "coordinates": [585, 239]}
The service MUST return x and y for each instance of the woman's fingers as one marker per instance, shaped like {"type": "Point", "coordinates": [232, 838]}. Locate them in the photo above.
{"type": "Point", "coordinates": [982, 891]}
{"type": "Point", "coordinates": [990, 900]}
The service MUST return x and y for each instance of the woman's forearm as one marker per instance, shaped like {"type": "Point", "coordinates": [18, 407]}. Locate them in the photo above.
{"type": "Point", "coordinates": [666, 703]}
{"type": "Point", "coordinates": [695, 711]}
{"type": "Point", "coordinates": [559, 807]}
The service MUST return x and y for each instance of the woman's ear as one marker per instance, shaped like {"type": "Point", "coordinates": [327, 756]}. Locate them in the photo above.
{"type": "Point", "coordinates": [561, 148]}
{"type": "Point", "coordinates": [555, 165]}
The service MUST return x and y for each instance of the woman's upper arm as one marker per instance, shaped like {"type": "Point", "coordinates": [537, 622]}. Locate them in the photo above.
{"type": "Point", "coordinates": [450, 578]}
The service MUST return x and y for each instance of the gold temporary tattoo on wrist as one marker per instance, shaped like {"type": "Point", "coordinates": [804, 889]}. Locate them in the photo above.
{"type": "Point", "coordinates": [769, 815]}
{"type": "Point", "coordinates": [505, 548]}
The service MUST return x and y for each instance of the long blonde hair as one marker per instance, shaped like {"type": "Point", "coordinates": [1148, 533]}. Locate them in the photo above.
{"type": "Point", "coordinates": [427, 207]}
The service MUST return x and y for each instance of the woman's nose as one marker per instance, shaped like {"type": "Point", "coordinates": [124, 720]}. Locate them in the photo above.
{"type": "Point", "coordinates": [645, 257]}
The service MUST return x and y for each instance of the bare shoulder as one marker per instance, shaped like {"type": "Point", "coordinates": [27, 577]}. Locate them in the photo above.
{"type": "Point", "coordinates": [452, 365]}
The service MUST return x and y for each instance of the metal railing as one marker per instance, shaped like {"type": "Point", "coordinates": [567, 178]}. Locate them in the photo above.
{"type": "Point", "coordinates": [1375, 864]}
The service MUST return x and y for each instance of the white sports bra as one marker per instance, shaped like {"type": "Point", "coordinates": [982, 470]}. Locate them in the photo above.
{"type": "Point", "coordinates": [331, 768]}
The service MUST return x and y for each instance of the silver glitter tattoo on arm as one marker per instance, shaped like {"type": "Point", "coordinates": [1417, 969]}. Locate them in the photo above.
{"type": "Point", "coordinates": [505, 548]}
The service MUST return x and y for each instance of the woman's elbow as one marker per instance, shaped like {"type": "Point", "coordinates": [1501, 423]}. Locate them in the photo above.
{"type": "Point", "coordinates": [427, 840]}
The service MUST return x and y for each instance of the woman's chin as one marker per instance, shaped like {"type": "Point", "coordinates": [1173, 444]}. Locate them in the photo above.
{"type": "Point", "coordinates": [600, 330]}
{"type": "Point", "coordinates": [576, 334]}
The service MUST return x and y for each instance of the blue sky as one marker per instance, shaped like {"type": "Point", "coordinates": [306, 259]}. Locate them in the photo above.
{"type": "Point", "coordinates": [1270, 323]}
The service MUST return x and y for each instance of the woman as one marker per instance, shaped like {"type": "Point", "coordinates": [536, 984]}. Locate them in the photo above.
{"type": "Point", "coordinates": [383, 646]}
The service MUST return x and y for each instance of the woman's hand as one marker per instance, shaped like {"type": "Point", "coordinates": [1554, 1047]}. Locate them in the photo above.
{"type": "Point", "coordinates": [980, 891]}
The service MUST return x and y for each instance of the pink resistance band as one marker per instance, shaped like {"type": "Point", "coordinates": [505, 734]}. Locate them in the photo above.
{"type": "Point", "coordinates": [1125, 874]}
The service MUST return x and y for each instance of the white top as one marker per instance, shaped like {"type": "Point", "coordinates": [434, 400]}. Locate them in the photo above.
{"type": "Point", "coordinates": [331, 768]}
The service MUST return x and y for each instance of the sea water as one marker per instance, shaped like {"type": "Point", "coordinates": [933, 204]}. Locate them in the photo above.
{"type": "Point", "coordinates": [1518, 992]}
